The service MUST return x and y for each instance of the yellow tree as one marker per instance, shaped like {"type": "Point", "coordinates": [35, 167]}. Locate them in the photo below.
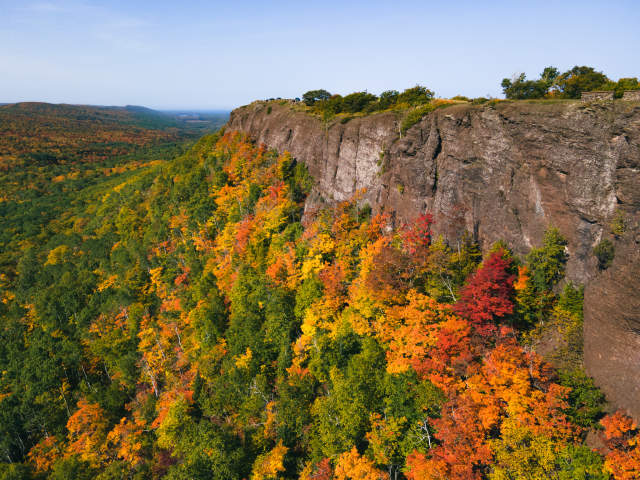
{"type": "Point", "coordinates": [87, 429]}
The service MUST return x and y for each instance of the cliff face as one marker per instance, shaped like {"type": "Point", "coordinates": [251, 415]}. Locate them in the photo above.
{"type": "Point", "coordinates": [504, 172]}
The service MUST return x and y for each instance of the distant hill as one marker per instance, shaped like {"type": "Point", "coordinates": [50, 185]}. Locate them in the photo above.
{"type": "Point", "coordinates": [63, 133]}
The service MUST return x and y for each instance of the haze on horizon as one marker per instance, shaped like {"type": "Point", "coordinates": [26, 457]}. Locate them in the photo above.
{"type": "Point", "coordinates": [214, 55]}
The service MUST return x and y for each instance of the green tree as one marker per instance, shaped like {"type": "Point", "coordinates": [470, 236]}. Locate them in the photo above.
{"type": "Point", "coordinates": [573, 82]}
{"type": "Point", "coordinates": [313, 96]}
{"type": "Point", "coordinates": [520, 88]}
{"type": "Point", "coordinates": [342, 416]}
{"type": "Point", "coordinates": [547, 263]}
{"type": "Point", "coordinates": [586, 401]}
{"type": "Point", "coordinates": [388, 98]}
{"type": "Point", "coordinates": [357, 102]}
{"type": "Point", "coordinates": [549, 76]}
{"type": "Point", "coordinates": [72, 468]}
{"type": "Point", "coordinates": [417, 95]}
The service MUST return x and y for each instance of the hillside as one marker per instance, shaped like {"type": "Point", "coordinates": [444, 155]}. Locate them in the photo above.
{"type": "Point", "coordinates": [507, 172]}
{"type": "Point", "coordinates": [53, 157]}
{"type": "Point", "coordinates": [228, 311]}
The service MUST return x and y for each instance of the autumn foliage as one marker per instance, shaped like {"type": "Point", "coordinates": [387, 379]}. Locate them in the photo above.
{"type": "Point", "coordinates": [622, 436]}
{"type": "Point", "coordinates": [487, 296]}
{"type": "Point", "coordinates": [206, 326]}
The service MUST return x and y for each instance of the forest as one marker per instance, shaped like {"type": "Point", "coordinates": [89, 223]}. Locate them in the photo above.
{"type": "Point", "coordinates": [180, 315]}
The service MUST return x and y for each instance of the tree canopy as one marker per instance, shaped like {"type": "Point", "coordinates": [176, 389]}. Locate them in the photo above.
{"type": "Point", "coordinates": [186, 319]}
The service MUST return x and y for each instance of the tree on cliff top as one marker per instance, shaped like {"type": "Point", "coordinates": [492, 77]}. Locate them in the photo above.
{"type": "Point", "coordinates": [313, 96]}
{"type": "Point", "coordinates": [580, 79]}
{"type": "Point", "coordinates": [519, 87]}
{"type": "Point", "coordinates": [569, 84]}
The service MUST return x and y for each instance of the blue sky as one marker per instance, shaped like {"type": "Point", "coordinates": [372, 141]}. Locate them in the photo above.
{"type": "Point", "coordinates": [211, 54]}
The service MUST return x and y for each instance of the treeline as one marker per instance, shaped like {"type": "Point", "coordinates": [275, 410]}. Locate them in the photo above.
{"type": "Point", "coordinates": [550, 84]}
{"type": "Point", "coordinates": [570, 84]}
{"type": "Point", "coordinates": [323, 101]}
{"type": "Point", "coordinates": [188, 322]}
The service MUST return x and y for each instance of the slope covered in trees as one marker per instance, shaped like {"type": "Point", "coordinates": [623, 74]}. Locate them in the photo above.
{"type": "Point", "coordinates": [187, 321]}
{"type": "Point", "coordinates": [51, 156]}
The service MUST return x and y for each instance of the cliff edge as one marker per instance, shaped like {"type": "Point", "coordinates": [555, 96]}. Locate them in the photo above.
{"type": "Point", "coordinates": [505, 171]}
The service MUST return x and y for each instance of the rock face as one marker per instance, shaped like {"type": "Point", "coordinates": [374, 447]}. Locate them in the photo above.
{"type": "Point", "coordinates": [501, 172]}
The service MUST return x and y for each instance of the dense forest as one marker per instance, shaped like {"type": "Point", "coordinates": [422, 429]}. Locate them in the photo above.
{"type": "Point", "coordinates": [188, 319]}
{"type": "Point", "coordinates": [52, 155]}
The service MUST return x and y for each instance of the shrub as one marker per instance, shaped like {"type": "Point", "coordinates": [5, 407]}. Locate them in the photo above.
{"type": "Point", "coordinates": [619, 224]}
{"type": "Point", "coordinates": [604, 252]}
{"type": "Point", "coordinates": [414, 116]}
{"type": "Point", "coordinates": [621, 85]}
{"type": "Point", "coordinates": [442, 103]}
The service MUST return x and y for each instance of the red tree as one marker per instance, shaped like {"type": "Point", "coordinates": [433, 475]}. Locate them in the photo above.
{"type": "Point", "coordinates": [417, 236]}
{"type": "Point", "coordinates": [487, 295]}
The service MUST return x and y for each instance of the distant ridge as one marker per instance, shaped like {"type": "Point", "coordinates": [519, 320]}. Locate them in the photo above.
{"type": "Point", "coordinates": [199, 122]}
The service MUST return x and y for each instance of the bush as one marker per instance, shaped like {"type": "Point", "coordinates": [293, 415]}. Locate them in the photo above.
{"type": "Point", "coordinates": [604, 252]}
{"type": "Point", "coordinates": [619, 224]}
{"type": "Point", "coordinates": [414, 116]}
{"type": "Point", "coordinates": [621, 85]}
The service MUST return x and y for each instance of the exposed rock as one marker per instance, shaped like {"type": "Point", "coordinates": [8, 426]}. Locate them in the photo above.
{"type": "Point", "coordinates": [501, 172]}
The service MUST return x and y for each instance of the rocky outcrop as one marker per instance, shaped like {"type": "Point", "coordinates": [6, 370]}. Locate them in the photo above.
{"type": "Point", "coordinates": [506, 171]}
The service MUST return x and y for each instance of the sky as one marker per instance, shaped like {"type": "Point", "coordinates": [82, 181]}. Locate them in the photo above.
{"type": "Point", "coordinates": [219, 55]}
